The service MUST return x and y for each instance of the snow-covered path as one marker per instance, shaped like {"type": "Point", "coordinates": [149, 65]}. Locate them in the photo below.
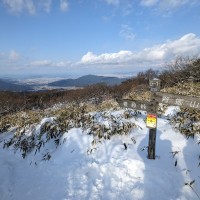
{"type": "Point", "coordinates": [109, 172]}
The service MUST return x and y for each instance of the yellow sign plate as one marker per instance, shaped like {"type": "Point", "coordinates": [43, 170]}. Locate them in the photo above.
{"type": "Point", "coordinates": [151, 121]}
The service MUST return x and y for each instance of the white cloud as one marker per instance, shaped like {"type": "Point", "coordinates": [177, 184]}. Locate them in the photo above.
{"type": "Point", "coordinates": [167, 4]}
{"type": "Point", "coordinates": [113, 2]}
{"type": "Point", "coordinates": [188, 45]}
{"type": "Point", "coordinates": [29, 6]}
{"type": "Point", "coordinates": [127, 32]}
{"type": "Point", "coordinates": [41, 63]}
{"type": "Point", "coordinates": [13, 55]}
{"type": "Point", "coordinates": [46, 5]}
{"type": "Point", "coordinates": [2, 54]}
{"type": "Point", "coordinates": [64, 5]}
{"type": "Point", "coordinates": [149, 2]}
{"type": "Point", "coordinates": [127, 7]}
{"type": "Point", "coordinates": [49, 63]}
{"type": "Point", "coordinates": [14, 5]}
{"type": "Point", "coordinates": [62, 64]}
{"type": "Point", "coordinates": [171, 4]}
{"type": "Point", "coordinates": [155, 56]}
{"type": "Point", "coordinates": [106, 58]}
{"type": "Point", "coordinates": [18, 6]}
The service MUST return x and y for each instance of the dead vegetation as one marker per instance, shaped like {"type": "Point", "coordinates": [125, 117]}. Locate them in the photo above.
{"type": "Point", "coordinates": [29, 137]}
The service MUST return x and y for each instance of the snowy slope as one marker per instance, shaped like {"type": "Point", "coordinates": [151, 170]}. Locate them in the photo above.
{"type": "Point", "coordinates": [108, 171]}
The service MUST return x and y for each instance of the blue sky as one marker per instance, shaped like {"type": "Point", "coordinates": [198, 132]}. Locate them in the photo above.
{"type": "Point", "coordinates": [106, 37]}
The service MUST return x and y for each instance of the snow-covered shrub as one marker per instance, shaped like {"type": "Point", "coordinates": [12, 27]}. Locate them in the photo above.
{"type": "Point", "coordinates": [187, 88]}
{"type": "Point", "coordinates": [101, 125]}
{"type": "Point", "coordinates": [108, 104]}
{"type": "Point", "coordinates": [187, 122]}
{"type": "Point", "coordinates": [20, 120]}
{"type": "Point", "coordinates": [138, 95]}
{"type": "Point", "coordinates": [105, 125]}
{"type": "Point", "coordinates": [180, 70]}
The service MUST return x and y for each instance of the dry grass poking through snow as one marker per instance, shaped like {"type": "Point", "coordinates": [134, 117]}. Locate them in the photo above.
{"type": "Point", "coordinates": [188, 89]}
{"type": "Point", "coordinates": [29, 136]}
{"type": "Point", "coordinates": [187, 121]}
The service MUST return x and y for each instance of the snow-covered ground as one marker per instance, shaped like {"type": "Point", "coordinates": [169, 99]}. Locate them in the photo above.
{"type": "Point", "coordinates": [108, 171]}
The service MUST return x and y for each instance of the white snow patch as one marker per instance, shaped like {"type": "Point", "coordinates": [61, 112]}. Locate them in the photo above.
{"type": "Point", "coordinates": [109, 172]}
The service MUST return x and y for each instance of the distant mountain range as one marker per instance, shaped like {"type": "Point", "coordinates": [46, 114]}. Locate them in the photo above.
{"type": "Point", "coordinates": [86, 81]}
{"type": "Point", "coordinates": [9, 85]}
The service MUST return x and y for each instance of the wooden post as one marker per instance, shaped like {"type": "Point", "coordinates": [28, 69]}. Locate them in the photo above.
{"type": "Point", "coordinates": [152, 144]}
{"type": "Point", "coordinates": [151, 108]}
{"type": "Point", "coordinates": [154, 87]}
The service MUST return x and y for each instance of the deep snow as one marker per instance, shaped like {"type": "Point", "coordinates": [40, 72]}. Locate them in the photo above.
{"type": "Point", "coordinates": [108, 172]}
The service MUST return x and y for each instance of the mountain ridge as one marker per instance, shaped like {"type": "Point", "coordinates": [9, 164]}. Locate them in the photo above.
{"type": "Point", "coordinates": [87, 80]}
{"type": "Point", "coordinates": [8, 85]}
{"type": "Point", "coordinates": [83, 81]}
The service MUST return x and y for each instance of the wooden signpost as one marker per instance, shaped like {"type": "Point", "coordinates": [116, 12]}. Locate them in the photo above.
{"type": "Point", "coordinates": [135, 104]}
{"type": "Point", "coordinates": [178, 100]}
{"type": "Point", "coordinates": [151, 108]}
